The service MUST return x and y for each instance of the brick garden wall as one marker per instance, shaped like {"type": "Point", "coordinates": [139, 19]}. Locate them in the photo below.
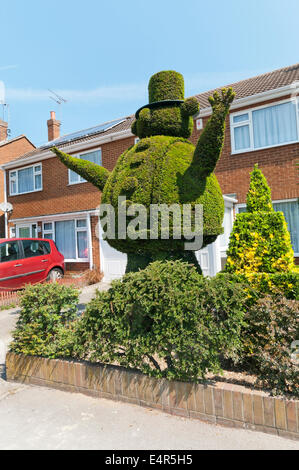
{"type": "Point", "coordinates": [223, 403]}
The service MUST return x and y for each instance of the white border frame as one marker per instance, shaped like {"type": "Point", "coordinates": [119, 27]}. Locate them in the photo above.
{"type": "Point", "coordinates": [78, 155]}
{"type": "Point", "coordinates": [249, 122]}
{"type": "Point", "coordinates": [34, 174]}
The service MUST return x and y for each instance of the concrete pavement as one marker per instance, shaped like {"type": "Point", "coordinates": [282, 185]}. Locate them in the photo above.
{"type": "Point", "coordinates": [40, 418]}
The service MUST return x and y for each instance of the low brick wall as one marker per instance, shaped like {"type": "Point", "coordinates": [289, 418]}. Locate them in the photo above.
{"type": "Point", "coordinates": [223, 403]}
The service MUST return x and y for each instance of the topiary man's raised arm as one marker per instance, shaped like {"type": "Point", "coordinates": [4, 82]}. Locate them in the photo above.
{"type": "Point", "coordinates": [210, 143]}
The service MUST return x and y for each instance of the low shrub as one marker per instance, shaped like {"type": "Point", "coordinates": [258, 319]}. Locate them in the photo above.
{"type": "Point", "coordinates": [92, 276]}
{"type": "Point", "coordinates": [286, 284]}
{"type": "Point", "coordinates": [272, 324]}
{"type": "Point", "coordinates": [46, 325]}
{"type": "Point", "coordinates": [166, 320]}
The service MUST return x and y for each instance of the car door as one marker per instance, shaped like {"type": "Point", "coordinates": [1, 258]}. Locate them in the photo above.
{"type": "Point", "coordinates": [10, 265]}
{"type": "Point", "coordinates": [34, 261]}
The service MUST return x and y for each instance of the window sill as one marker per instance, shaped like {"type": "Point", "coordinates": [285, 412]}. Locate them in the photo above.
{"type": "Point", "coordinates": [27, 192]}
{"type": "Point", "coordinates": [78, 182]}
{"type": "Point", "coordinates": [238, 152]}
{"type": "Point", "coordinates": [79, 260]}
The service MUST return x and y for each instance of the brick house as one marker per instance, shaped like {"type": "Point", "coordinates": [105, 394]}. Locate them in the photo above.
{"type": "Point", "coordinates": [263, 127]}
{"type": "Point", "coordinates": [10, 149]}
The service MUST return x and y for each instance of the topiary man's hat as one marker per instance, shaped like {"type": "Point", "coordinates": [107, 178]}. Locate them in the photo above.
{"type": "Point", "coordinates": [164, 88]}
{"type": "Point", "coordinates": [167, 113]}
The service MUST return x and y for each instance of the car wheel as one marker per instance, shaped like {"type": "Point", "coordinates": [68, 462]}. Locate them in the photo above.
{"type": "Point", "coordinates": [55, 274]}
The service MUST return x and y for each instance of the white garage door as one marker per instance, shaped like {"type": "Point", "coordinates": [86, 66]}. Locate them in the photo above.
{"type": "Point", "coordinates": [113, 263]}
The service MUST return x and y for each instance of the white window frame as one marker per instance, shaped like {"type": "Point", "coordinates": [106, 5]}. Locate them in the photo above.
{"type": "Point", "coordinates": [30, 226]}
{"type": "Point", "coordinates": [77, 229]}
{"type": "Point", "coordinates": [79, 155]}
{"type": "Point", "coordinates": [15, 179]}
{"type": "Point", "coordinates": [249, 122]}
{"type": "Point", "coordinates": [243, 204]}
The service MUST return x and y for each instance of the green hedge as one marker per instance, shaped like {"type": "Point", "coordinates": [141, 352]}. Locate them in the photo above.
{"type": "Point", "coordinates": [285, 284]}
{"type": "Point", "coordinates": [166, 320]}
{"type": "Point", "coordinates": [272, 324]}
{"type": "Point", "coordinates": [46, 325]}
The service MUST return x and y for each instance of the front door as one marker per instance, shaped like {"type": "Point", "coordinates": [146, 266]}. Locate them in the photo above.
{"type": "Point", "coordinates": [26, 231]}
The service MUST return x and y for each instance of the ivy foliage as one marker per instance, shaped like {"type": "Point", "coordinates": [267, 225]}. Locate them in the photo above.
{"type": "Point", "coordinates": [260, 241]}
{"type": "Point", "coordinates": [46, 325]}
{"type": "Point", "coordinates": [166, 321]}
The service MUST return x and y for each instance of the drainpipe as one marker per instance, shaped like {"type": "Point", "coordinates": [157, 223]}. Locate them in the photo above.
{"type": "Point", "coordinates": [89, 241]}
{"type": "Point", "coordinates": [5, 201]}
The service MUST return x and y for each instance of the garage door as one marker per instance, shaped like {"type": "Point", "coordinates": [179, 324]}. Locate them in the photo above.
{"type": "Point", "coordinates": [113, 262]}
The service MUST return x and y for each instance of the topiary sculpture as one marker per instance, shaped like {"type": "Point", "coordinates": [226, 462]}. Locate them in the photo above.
{"type": "Point", "coordinates": [164, 168]}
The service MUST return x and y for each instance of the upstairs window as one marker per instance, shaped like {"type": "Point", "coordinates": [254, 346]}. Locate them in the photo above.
{"type": "Point", "coordinates": [94, 157]}
{"type": "Point", "coordinates": [267, 126]}
{"type": "Point", "coordinates": [25, 180]}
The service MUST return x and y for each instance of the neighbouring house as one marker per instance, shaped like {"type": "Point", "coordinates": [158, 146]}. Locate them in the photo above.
{"type": "Point", "coordinates": [263, 127]}
{"type": "Point", "coordinates": [10, 149]}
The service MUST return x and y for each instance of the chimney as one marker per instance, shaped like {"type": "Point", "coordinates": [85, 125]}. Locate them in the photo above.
{"type": "Point", "coordinates": [53, 127]}
{"type": "Point", "coordinates": [3, 130]}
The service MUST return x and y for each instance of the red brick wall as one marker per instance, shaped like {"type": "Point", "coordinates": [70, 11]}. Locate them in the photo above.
{"type": "Point", "coordinates": [9, 152]}
{"type": "Point", "coordinates": [58, 196]}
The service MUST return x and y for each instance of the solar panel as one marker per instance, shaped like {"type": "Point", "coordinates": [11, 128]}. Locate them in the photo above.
{"type": "Point", "coordinates": [81, 134]}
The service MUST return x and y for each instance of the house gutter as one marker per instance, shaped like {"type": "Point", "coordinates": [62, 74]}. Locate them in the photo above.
{"type": "Point", "coordinates": [45, 154]}
{"type": "Point", "coordinates": [257, 98]}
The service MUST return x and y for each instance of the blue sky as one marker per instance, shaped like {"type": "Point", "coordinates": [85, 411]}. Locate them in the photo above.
{"type": "Point", "coordinates": [99, 55]}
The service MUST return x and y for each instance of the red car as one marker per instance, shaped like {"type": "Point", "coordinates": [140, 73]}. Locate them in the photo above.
{"type": "Point", "coordinates": [28, 261]}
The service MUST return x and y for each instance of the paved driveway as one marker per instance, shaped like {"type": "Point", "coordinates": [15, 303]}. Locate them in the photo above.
{"type": "Point", "coordinates": [40, 418]}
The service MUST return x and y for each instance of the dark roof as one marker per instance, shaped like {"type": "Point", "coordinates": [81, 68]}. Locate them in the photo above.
{"type": "Point", "coordinates": [259, 84]}
{"type": "Point", "coordinates": [122, 126]}
{"type": "Point", "coordinates": [244, 88]}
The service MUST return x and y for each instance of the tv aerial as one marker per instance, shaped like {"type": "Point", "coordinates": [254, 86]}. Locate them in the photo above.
{"type": "Point", "coordinates": [58, 100]}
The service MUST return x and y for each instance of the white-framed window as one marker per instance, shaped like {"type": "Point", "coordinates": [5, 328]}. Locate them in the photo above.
{"type": "Point", "coordinates": [25, 180]}
{"type": "Point", "coordinates": [266, 126]}
{"type": "Point", "coordinates": [290, 209]}
{"type": "Point", "coordinates": [136, 140]}
{"type": "Point", "coordinates": [94, 157]}
{"type": "Point", "coordinates": [70, 236]}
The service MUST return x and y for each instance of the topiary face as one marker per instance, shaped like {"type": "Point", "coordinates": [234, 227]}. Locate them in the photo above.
{"type": "Point", "coordinates": [167, 113]}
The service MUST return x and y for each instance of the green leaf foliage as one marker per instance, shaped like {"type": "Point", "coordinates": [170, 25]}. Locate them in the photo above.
{"type": "Point", "coordinates": [47, 319]}
{"type": "Point", "coordinates": [260, 240]}
{"type": "Point", "coordinates": [272, 326]}
{"type": "Point", "coordinates": [259, 194]}
{"type": "Point", "coordinates": [285, 284]}
{"type": "Point", "coordinates": [164, 168]}
{"type": "Point", "coordinates": [166, 321]}
{"type": "Point", "coordinates": [95, 174]}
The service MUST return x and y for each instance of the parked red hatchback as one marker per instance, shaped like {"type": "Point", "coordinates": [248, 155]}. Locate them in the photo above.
{"type": "Point", "coordinates": [28, 261]}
